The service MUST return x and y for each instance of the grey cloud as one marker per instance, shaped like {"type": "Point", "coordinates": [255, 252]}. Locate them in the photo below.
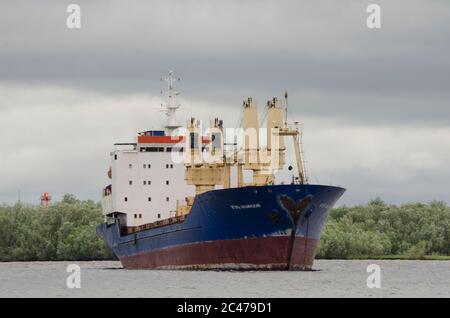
{"type": "Point", "coordinates": [228, 50]}
{"type": "Point", "coordinates": [92, 86]}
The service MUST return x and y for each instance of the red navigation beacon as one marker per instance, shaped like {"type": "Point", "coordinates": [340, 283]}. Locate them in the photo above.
{"type": "Point", "coordinates": [45, 199]}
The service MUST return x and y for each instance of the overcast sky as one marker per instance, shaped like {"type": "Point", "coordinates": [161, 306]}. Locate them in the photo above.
{"type": "Point", "coordinates": [375, 104]}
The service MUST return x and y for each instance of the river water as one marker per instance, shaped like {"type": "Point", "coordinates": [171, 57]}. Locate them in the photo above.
{"type": "Point", "coordinates": [331, 278]}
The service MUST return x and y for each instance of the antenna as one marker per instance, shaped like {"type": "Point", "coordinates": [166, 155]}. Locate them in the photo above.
{"type": "Point", "coordinates": [286, 110]}
{"type": "Point", "coordinates": [171, 106]}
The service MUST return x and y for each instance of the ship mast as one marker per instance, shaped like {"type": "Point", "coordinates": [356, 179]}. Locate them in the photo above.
{"type": "Point", "coordinates": [171, 105]}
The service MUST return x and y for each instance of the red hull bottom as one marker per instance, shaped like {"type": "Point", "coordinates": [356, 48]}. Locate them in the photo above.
{"type": "Point", "coordinates": [268, 253]}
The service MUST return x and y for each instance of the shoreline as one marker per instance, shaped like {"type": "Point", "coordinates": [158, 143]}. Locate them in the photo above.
{"type": "Point", "coordinates": [383, 258]}
{"type": "Point", "coordinates": [395, 257]}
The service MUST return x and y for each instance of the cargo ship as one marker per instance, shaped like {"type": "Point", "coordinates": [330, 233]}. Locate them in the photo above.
{"type": "Point", "coordinates": [184, 198]}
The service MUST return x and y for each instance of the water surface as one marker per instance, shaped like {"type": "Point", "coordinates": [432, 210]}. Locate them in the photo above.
{"type": "Point", "coordinates": [332, 278]}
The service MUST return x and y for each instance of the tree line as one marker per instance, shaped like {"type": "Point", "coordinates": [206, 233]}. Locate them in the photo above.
{"type": "Point", "coordinates": [63, 231]}
{"type": "Point", "coordinates": [412, 230]}
{"type": "Point", "coordinates": [66, 231]}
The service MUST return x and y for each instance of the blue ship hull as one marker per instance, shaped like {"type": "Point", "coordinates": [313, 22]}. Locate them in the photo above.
{"type": "Point", "coordinates": [254, 227]}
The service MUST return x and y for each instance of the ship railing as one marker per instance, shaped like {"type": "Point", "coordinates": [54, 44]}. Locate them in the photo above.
{"type": "Point", "coordinates": [153, 225]}
{"type": "Point", "coordinates": [125, 146]}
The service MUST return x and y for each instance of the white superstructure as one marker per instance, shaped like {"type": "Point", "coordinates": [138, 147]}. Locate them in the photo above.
{"type": "Point", "coordinates": [146, 184]}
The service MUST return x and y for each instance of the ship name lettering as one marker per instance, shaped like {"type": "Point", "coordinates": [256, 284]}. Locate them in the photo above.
{"type": "Point", "coordinates": [245, 206]}
{"type": "Point", "coordinates": [324, 206]}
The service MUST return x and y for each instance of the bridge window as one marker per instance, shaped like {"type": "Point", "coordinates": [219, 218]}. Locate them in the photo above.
{"type": "Point", "coordinates": [179, 149]}
{"type": "Point", "coordinates": [152, 149]}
